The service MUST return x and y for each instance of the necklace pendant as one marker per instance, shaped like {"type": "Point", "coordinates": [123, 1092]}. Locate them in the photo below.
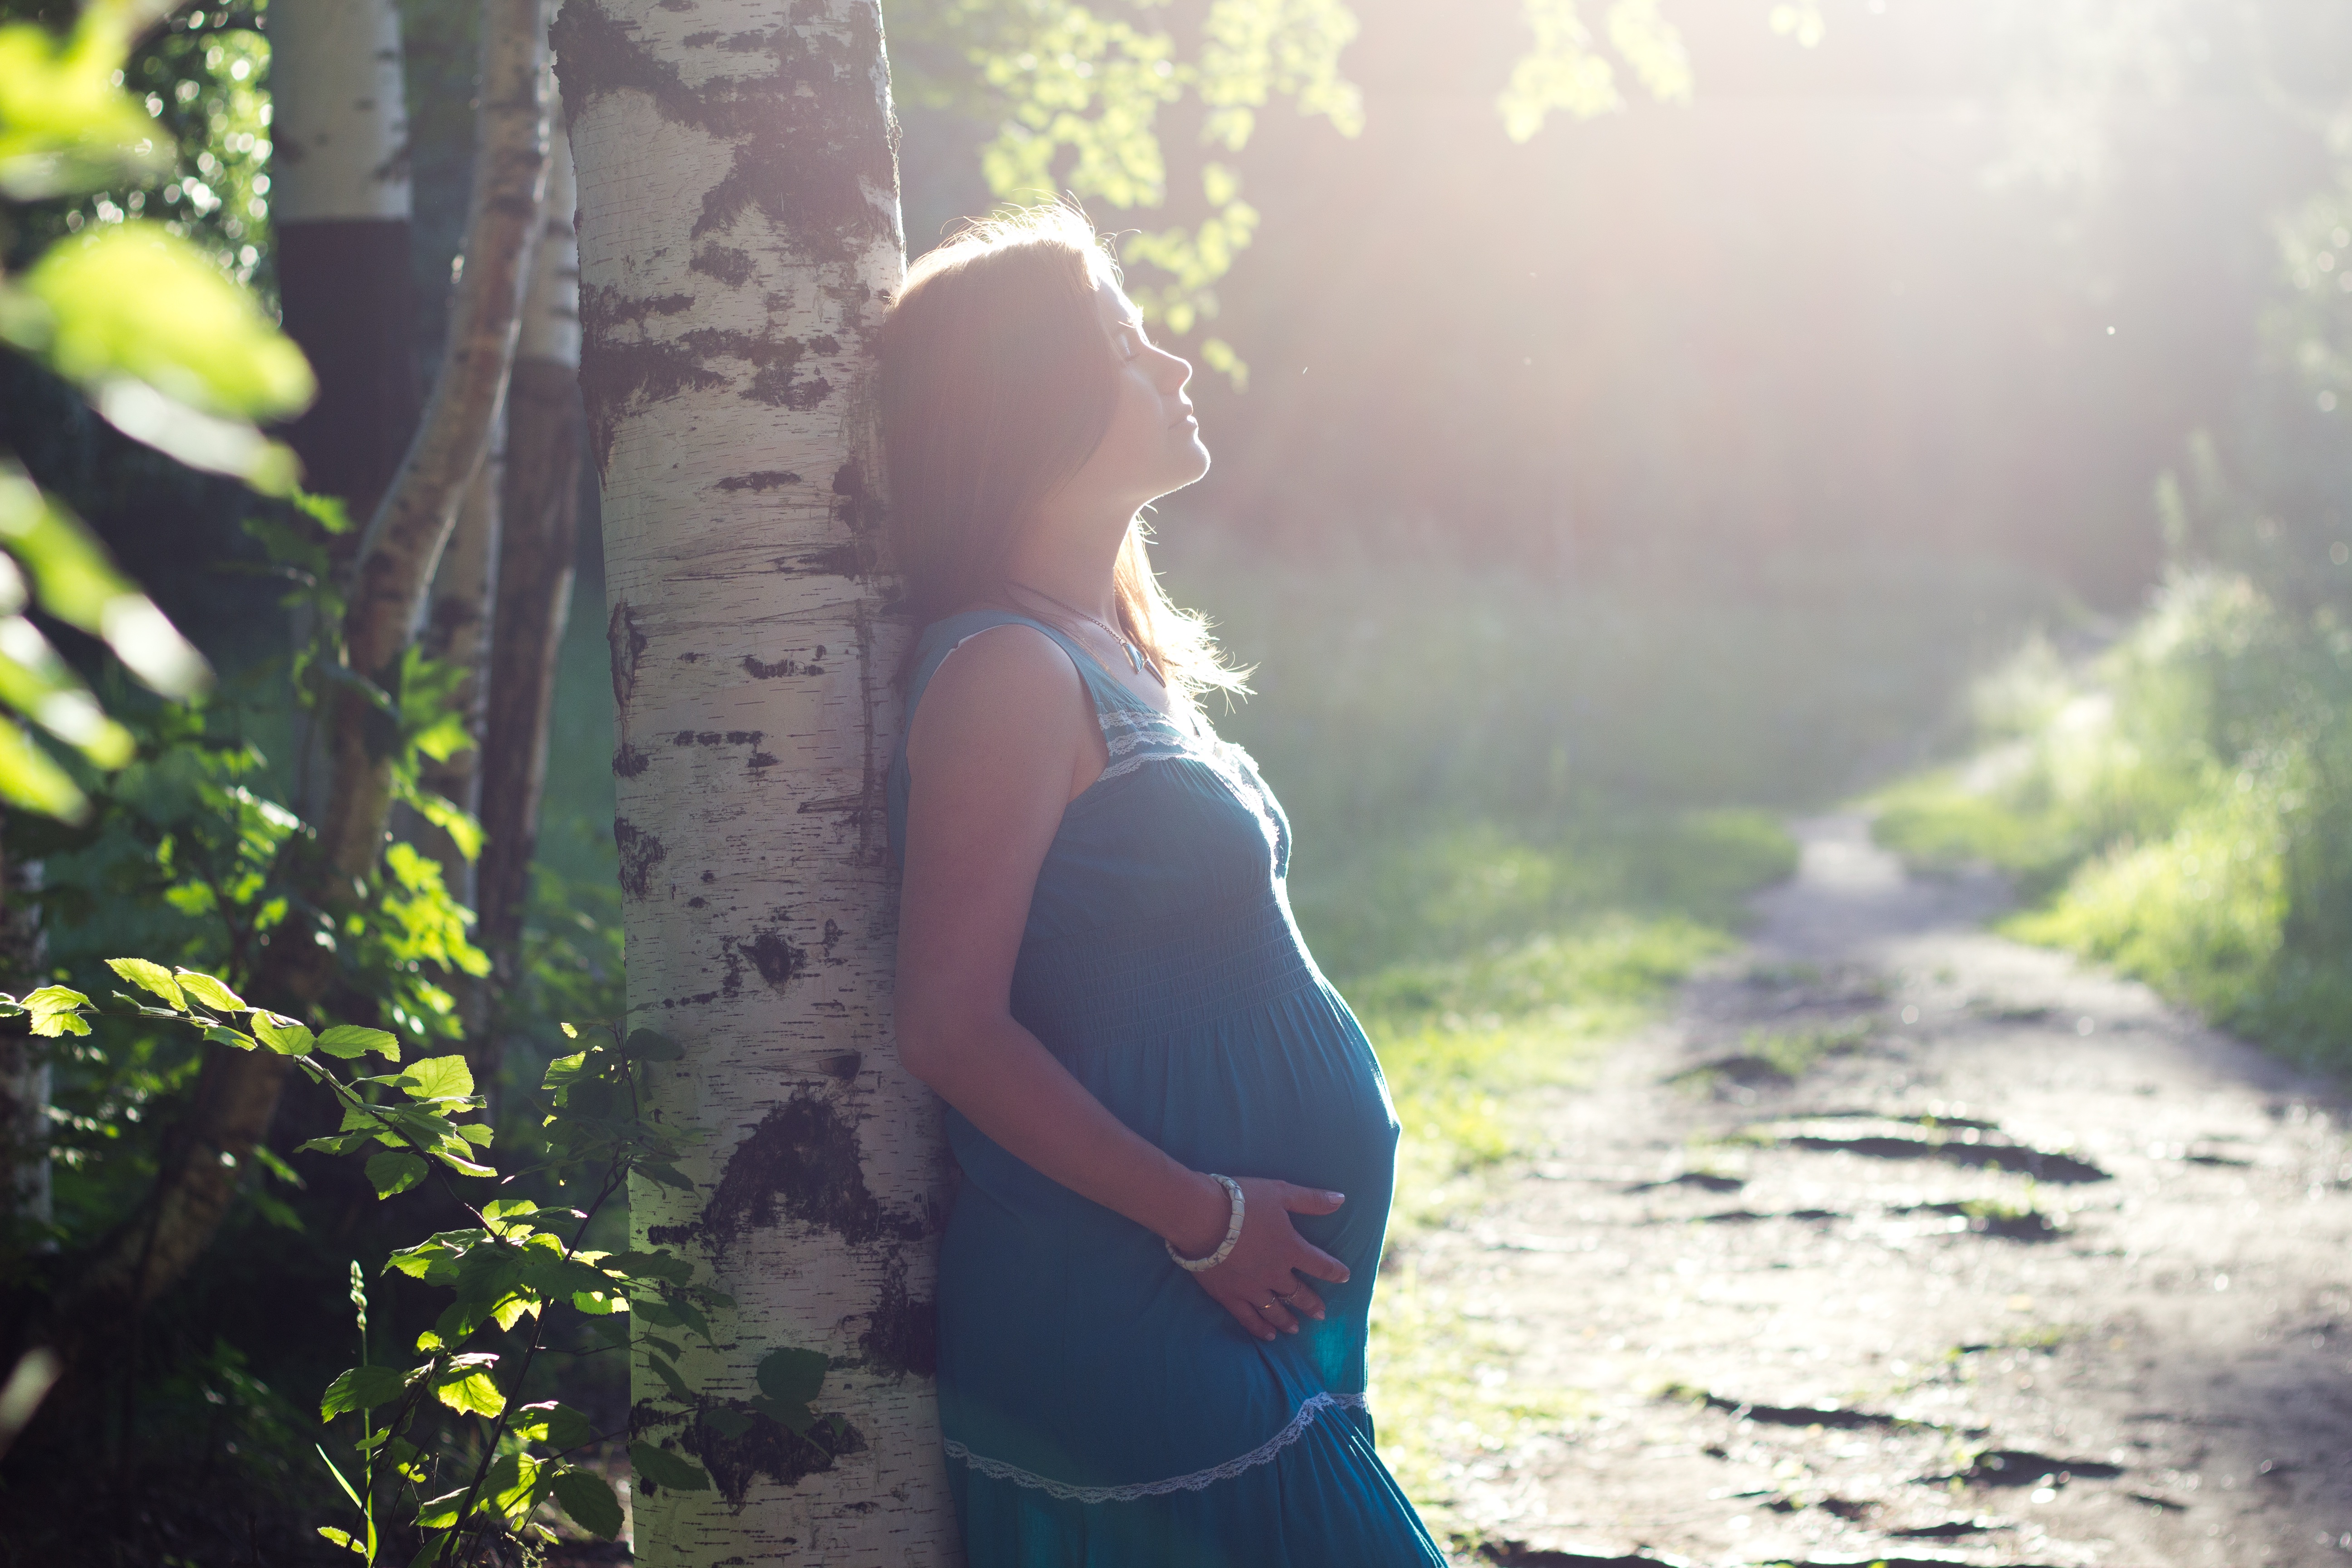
{"type": "Point", "coordinates": [1133, 661]}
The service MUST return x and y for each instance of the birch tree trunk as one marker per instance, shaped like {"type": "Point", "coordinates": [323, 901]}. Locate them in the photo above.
{"type": "Point", "coordinates": [458, 629]}
{"type": "Point", "coordinates": [538, 541]}
{"type": "Point", "coordinates": [340, 202]}
{"type": "Point", "coordinates": [738, 239]}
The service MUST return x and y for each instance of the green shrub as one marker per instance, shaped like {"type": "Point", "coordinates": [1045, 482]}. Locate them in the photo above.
{"type": "Point", "coordinates": [2179, 805]}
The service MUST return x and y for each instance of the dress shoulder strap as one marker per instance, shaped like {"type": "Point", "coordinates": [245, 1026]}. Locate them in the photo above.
{"type": "Point", "coordinates": [949, 633]}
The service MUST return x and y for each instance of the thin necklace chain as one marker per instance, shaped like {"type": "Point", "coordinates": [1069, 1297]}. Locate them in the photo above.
{"type": "Point", "coordinates": [1137, 659]}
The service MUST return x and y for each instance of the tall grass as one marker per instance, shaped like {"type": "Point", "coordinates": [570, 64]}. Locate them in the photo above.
{"type": "Point", "coordinates": [2179, 805]}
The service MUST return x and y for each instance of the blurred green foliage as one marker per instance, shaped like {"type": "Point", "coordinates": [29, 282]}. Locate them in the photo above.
{"type": "Point", "coordinates": [2178, 804]}
{"type": "Point", "coordinates": [165, 350]}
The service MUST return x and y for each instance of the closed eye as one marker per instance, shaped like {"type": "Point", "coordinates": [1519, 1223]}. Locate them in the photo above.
{"type": "Point", "coordinates": [1130, 339]}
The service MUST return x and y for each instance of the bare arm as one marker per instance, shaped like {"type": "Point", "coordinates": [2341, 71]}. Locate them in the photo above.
{"type": "Point", "coordinates": [1005, 737]}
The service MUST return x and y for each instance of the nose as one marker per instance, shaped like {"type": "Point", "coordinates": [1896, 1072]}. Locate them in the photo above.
{"type": "Point", "coordinates": [1175, 371]}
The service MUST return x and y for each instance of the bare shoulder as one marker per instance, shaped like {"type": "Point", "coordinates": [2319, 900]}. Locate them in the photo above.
{"type": "Point", "coordinates": [1009, 685]}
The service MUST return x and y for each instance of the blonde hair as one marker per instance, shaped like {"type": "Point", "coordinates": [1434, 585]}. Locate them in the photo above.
{"type": "Point", "coordinates": [997, 384]}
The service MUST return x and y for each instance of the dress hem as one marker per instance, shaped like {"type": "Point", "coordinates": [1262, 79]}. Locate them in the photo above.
{"type": "Point", "coordinates": [1198, 1480]}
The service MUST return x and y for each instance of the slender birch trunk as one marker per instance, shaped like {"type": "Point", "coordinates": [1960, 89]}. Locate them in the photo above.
{"type": "Point", "coordinates": [340, 202]}
{"type": "Point", "coordinates": [738, 239]}
{"type": "Point", "coordinates": [237, 1092]}
{"type": "Point", "coordinates": [546, 433]}
{"type": "Point", "coordinates": [458, 629]}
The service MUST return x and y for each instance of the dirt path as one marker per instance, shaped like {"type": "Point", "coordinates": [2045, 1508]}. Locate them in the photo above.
{"type": "Point", "coordinates": [1906, 1242]}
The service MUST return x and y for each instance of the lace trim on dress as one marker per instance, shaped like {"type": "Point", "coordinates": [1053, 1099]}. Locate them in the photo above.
{"type": "Point", "coordinates": [1198, 1480]}
{"type": "Point", "coordinates": [1136, 736]}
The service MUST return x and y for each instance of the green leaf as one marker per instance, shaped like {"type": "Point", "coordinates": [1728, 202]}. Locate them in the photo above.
{"type": "Point", "coordinates": [342, 1538]}
{"type": "Point", "coordinates": [464, 1386]}
{"type": "Point", "coordinates": [564, 1071]}
{"type": "Point", "coordinates": [664, 1469]}
{"type": "Point", "coordinates": [152, 978]}
{"type": "Point", "coordinates": [394, 1172]}
{"type": "Point", "coordinates": [79, 585]}
{"type": "Point", "coordinates": [668, 1374]}
{"type": "Point", "coordinates": [56, 1010]}
{"type": "Point", "coordinates": [476, 1133]}
{"type": "Point", "coordinates": [728, 1423]}
{"type": "Point", "coordinates": [361, 1388]}
{"type": "Point", "coordinates": [438, 1077]}
{"type": "Point", "coordinates": [646, 1045]}
{"type": "Point", "coordinates": [588, 1498]}
{"type": "Point", "coordinates": [230, 1037]}
{"type": "Point", "coordinates": [281, 1035]}
{"type": "Point", "coordinates": [791, 1415]}
{"type": "Point", "coordinates": [344, 1144]}
{"type": "Point", "coordinates": [553, 1422]}
{"type": "Point", "coordinates": [135, 302]}
{"type": "Point", "coordinates": [793, 1376]}
{"type": "Point", "coordinates": [209, 991]}
{"type": "Point", "coordinates": [30, 780]}
{"type": "Point", "coordinates": [350, 1040]}
{"type": "Point", "coordinates": [464, 830]}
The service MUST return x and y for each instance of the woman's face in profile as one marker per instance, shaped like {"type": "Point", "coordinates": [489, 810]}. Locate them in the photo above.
{"type": "Point", "coordinates": [1153, 444]}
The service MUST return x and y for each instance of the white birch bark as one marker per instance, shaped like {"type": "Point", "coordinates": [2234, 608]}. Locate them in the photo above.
{"type": "Point", "coordinates": [338, 117]}
{"type": "Point", "coordinates": [738, 239]}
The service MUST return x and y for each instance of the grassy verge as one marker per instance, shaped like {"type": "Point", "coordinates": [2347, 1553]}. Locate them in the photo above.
{"type": "Point", "coordinates": [1487, 965]}
{"type": "Point", "coordinates": [2180, 806]}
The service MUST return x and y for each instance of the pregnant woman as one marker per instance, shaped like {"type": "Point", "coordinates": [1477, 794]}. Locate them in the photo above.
{"type": "Point", "coordinates": [1176, 1145]}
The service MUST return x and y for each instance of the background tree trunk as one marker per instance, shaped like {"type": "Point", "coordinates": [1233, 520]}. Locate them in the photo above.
{"type": "Point", "coordinates": [237, 1092]}
{"type": "Point", "coordinates": [24, 1060]}
{"type": "Point", "coordinates": [340, 198]}
{"type": "Point", "coordinates": [738, 239]}
{"type": "Point", "coordinates": [538, 539]}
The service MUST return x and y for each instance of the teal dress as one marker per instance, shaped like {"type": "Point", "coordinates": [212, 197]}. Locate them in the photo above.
{"type": "Point", "coordinates": [1100, 1410]}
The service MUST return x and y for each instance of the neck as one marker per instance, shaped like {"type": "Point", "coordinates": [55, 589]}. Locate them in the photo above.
{"type": "Point", "coordinates": [1076, 565]}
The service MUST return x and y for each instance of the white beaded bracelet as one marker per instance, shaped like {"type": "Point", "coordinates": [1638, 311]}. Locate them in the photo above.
{"type": "Point", "coordinates": [1224, 1248]}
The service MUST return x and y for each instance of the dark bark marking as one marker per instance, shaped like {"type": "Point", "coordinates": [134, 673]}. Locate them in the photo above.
{"type": "Point", "coordinates": [698, 40]}
{"type": "Point", "coordinates": [761, 1446]}
{"type": "Point", "coordinates": [778, 961]}
{"type": "Point", "coordinates": [763, 760]}
{"type": "Point", "coordinates": [614, 376]}
{"type": "Point", "coordinates": [759, 482]}
{"type": "Point", "coordinates": [809, 136]}
{"type": "Point", "coordinates": [902, 1335]}
{"type": "Point", "coordinates": [640, 852]}
{"type": "Point", "coordinates": [855, 510]}
{"type": "Point", "coordinates": [628, 645]}
{"type": "Point", "coordinates": [698, 901]}
{"type": "Point", "coordinates": [855, 559]}
{"type": "Point", "coordinates": [629, 762]}
{"type": "Point", "coordinates": [804, 1156]}
{"type": "Point", "coordinates": [843, 1067]}
{"type": "Point", "coordinates": [733, 268]}
{"type": "Point", "coordinates": [758, 671]}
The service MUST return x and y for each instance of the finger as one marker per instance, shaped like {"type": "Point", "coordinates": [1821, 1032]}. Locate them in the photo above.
{"type": "Point", "coordinates": [1321, 1265]}
{"type": "Point", "coordinates": [1274, 1314]}
{"type": "Point", "coordinates": [1246, 1316]}
{"type": "Point", "coordinates": [1310, 1200]}
{"type": "Point", "coordinates": [1305, 1303]}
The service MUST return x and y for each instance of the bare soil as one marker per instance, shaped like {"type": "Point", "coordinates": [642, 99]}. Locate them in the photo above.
{"type": "Point", "coordinates": [1903, 1243]}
